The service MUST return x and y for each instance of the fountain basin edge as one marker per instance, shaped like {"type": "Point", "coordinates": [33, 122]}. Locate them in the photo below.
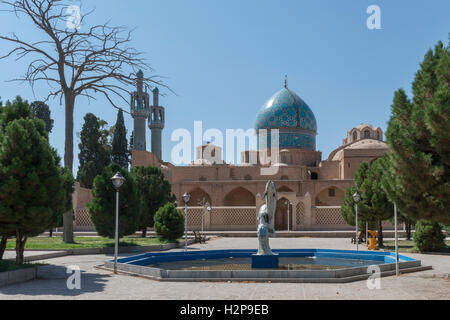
{"type": "Point", "coordinates": [139, 265]}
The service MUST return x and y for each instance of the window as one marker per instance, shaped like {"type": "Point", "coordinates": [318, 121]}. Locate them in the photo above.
{"type": "Point", "coordinates": [355, 136]}
{"type": "Point", "coordinates": [331, 192]}
{"type": "Point", "coordinates": [366, 134]}
{"type": "Point", "coordinates": [314, 176]}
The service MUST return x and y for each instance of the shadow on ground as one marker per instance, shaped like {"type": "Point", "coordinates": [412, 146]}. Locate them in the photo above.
{"type": "Point", "coordinates": [52, 281]}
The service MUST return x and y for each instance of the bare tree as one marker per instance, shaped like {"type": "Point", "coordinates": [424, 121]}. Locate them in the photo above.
{"type": "Point", "coordinates": [74, 61]}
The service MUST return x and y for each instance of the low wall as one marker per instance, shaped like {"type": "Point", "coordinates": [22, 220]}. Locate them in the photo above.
{"type": "Point", "coordinates": [318, 218]}
{"type": "Point", "coordinates": [17, 276]}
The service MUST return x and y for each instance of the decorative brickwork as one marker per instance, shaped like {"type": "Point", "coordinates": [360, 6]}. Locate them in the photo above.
{"type": "Point", "coordinates": [329, 216]}
{"type": "Point", "coordinates": [234, 216]}
{"type": "Point", "coordinates": [194, 215]}
{"type": "Point", "coordinates": [300, 214]}
{"type": "Point", "coordinates": [83, 221]}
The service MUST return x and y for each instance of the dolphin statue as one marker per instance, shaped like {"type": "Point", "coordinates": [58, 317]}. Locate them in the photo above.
{"type": "Point", "coordinates": [265, 218]}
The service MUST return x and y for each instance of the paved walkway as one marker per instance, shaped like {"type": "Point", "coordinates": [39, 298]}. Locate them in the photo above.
{"type": "Point", "coordinates": [100, 284]}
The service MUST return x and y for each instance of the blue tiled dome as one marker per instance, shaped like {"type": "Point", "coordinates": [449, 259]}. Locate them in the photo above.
{"type": "Point", "coordinates": [289, 113]}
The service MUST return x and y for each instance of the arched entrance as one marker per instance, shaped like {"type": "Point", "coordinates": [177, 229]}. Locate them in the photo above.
{"type": "Point", "coordinates": [281, 215]}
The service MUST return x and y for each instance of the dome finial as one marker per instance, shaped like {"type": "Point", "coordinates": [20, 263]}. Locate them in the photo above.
{"type": "Point", "coordinates": [285, 81]}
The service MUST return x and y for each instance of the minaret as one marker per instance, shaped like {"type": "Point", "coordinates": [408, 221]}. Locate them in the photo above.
{"type": "Point", "coordinates": [156, 124]}
{"type": "Point", "coordinates": [140, 111]}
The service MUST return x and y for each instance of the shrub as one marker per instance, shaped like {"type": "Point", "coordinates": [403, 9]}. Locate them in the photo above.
{"type": "Point", "coordinates": [169, 222]}
{"type": "Point", "coordinates": [428, 236]}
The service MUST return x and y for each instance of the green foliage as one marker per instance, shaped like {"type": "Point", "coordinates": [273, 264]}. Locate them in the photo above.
{"type": "Point", "coordinates": [68, 189]}
{"type": "Point", "coordinates": [94, 150]}
{"type": "Point", "coordinates": [154, 191]}
{"type": "Point", "coordinates": [348, 211]}
{"type": "Point", "coordinates": [131, 146]}
{"type": "Point", "coordinates": [169, 222]}
{"type": "Point", "coordinates": [374, 206]}
{"type": "Point", "coordinates": [17, 109]}
{"type": "Point", "coordinates": [418, 136]}
{"type": "Point", "coordinates": [103, 206]}
{"type": "Point", "coordinates": [41, 111]}
{"type": "Point", "coordinates": [428, 236]}
{"type": "Point", "coordinates": [119, 152]}
{"type": "Point", "coordinates": [31, 193]}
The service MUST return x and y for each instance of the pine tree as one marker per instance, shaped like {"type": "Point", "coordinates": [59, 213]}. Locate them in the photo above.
{"type": "Point", "coordinates": [103, 206]}
{"type": "Point", "coordinates": [418, 136]}
{"type": "Point", "coordinates": [17, 109]}
{"type": "Point", "coordinates": [120, 154]}
{"type": "Point", "coordinates": [374, 200]}
{"type": "Point", "coordinates": [42, 111]}
{"type": "Point", "coordinates": [94, 151]}
{"type": "Point", "coordinates": [30, 181]}
{"type": "Point", "coordinates": [348, 210]}
{"type": "Point", "coordinates": [154, 192]}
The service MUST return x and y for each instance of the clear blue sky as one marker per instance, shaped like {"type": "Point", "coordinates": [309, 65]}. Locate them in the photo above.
{"type": "Point", "coordinates": [224, 59]}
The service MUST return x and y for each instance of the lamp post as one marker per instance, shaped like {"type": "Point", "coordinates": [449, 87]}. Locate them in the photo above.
{"type": "Point", "coordinates": [186, 198]}
{"type": "Point", "coordinates": [288, 204]}
{"type": "Point", "coordinates": [209, 214]}
{"type": "Point", "coordinates": [397, 271]}
{"type": "Point", "coordinates": [117, 181]}
{"type": "Point", "coordinates": [356, 198]}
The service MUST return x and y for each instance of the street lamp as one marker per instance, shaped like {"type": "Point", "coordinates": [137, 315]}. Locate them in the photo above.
{"type": "Point", "coordinates": [209, 214]}
{"type": "Point", "coordinates": [288, 204]}
{"type": "Point", "coordinates": [397, 271]}
{"type": "Point", "coordinates": [117, 181]}
{"type": "Point", "coordinates": [186, 198]}
{"type": "Point", "coordinates": [356, 198]}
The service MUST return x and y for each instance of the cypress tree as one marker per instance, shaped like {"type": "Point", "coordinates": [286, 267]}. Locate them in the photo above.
{"type": "Point", "coordinates": [94, 153]}
{"type": "Point", "coordinates": [119, 153]}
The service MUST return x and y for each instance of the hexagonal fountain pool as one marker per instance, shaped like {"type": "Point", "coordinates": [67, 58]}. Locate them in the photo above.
{"type": "Point", "coordinates": [296, 265]}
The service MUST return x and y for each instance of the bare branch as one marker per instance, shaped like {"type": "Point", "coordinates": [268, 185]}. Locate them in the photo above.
{"type": "Point", "coordinates": [99, 58]}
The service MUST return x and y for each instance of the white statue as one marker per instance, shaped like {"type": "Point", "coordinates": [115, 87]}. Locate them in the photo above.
{"type": "Point", "coordinates": [265, 218]}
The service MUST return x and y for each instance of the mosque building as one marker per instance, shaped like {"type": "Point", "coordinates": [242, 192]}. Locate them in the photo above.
{"type": "Point", "coordinates": [310, 189]}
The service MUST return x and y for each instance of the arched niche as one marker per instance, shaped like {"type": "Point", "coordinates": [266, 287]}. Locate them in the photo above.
{"type": "Point", "coordinates": [239, 197]}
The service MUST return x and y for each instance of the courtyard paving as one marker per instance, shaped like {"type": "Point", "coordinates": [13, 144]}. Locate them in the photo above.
{"type": "Point", "coordinates": [101, 284]}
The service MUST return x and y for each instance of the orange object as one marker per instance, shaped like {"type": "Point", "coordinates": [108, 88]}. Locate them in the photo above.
{"type": "Point", "coordinates": [373, 240]}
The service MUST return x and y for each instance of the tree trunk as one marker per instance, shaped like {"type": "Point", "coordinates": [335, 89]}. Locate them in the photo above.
{"type": "Point", "coordinates": [144, 232]}
{"type": "Point", "coordinates": [20, 247]}
{"type": "Point", "coordinates": [50, 233]}
{"type": "Point", "coordinates": [68, 163]}
{"type": "Point", "coordinates": [380, 233]}
{"type": "Point", "coordinates": [68, 145]}
{"type": "Point", "coordinates": [3, 246]}
{"type": "Point", "coordinates": [68, 227]}
{"type": "Point", "coordinates": [408, 231]}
